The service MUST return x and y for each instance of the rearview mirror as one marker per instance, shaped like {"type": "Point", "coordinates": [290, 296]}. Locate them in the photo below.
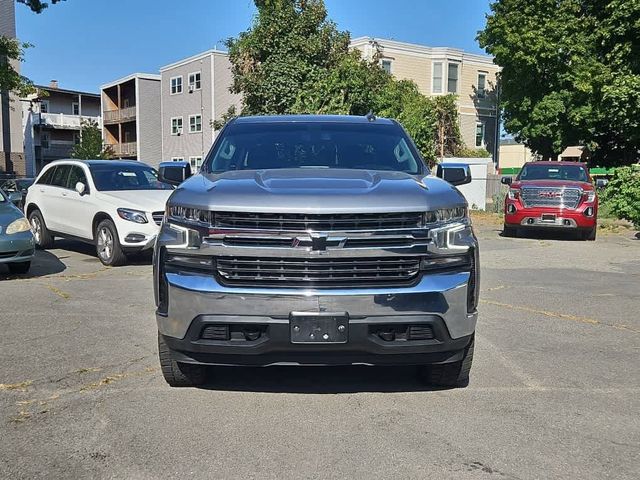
{"type": "Point", "coordinates": [15, 198]}
{"type": "Point", "coordinates": [81, 188]}
{"type": "Point", "coordinates": [506, 180]}
{"type": "Point", "coordinates": [174, 173]}
{"type": "Point", "coordinates": [454, 173]}
{"type": "Point", "coordinates": [601, 182]}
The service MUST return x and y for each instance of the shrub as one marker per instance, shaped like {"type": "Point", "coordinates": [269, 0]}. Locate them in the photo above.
{"type": "Point", "coordinates": [622, 195]}
{"type": "Point", "coordinates": [472, 153]}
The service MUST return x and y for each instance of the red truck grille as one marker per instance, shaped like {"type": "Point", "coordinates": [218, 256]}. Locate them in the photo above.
{"type": "Point", "coordinates": [559, 197]}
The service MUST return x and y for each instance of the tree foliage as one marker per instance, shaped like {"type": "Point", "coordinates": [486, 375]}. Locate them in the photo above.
{"type": "Point", "coordinates": [90, 146]}
{"type": "Point", "coordinates": [294, 60]}
{"type": "Point", "coordinates": [37, 6]}
{"type": "Point", "coordinates": [570, 74]}
{"type": "Point", "coordinates": [622, 195]}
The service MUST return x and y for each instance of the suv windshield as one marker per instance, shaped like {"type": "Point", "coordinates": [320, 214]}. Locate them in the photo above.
{"type": "Point", "coordinates": [256, 146]}
{"type": "Point", "coordinates": [554, 172]}
{"type": "Point", "coordinates": [126, 177]}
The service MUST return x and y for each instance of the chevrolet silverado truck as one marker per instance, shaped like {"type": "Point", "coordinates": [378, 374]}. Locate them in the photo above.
{"type": "Point", "coordinates": [315, 240]}
{"type": "Point", "coordinates": [551, 195]}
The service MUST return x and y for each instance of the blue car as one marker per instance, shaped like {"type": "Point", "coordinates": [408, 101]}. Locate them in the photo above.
{"type": "Point", "coordinates": [17, 246]}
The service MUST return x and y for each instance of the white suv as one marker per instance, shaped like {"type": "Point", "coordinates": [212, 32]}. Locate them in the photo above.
{"type": "Point", "coordinates": [116, 204]}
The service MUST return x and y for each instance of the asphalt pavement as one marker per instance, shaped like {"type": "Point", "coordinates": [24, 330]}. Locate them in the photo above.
{"type": "Point", "coordinates": [554, 392]}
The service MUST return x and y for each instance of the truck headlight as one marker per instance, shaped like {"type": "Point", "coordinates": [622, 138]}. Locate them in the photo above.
{"type": "Point", "coordinates": [18, 226]}
{"type": "Point", "coordinates": [445, 215]}
{"type": "Point", "coordinates": [514, 193]}
{"type": "Point", "coordinates": [589, 196]}
{"type": "Point", "coordinates": [130, 215]}
{"type": "Point", "coordinates": [190, 216]}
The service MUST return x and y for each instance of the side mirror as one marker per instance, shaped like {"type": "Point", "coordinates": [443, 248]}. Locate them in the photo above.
{"type": "Point", "coordinates": [174, 173]}
{"type": "Point", "coordinates": [15, 198]}
{"type": "Point", "coordinates": [81, 188]}
{"type": "Point", "coordinates": [601, 182]}
{"type": "Point", "coordinates": [506, 180]}
{"type": "Point", "coordinates": [454, 173]}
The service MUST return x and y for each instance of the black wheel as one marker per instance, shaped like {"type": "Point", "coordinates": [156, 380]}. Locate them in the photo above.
{"type": "Point", "coordinates": [508, 231]}
{"type": "Point", "coordinates": [590, 234]}
{"type": "Point", "coordinates": [454, 374]}
{"type": "Point", "coordinates": [108, 245]}
{"type": "Point", "coordinates": [179, 374]}
{"type": "Point", "coordinates": [41, 234]}
{"type": "Point", "coordinates": [19, 267]}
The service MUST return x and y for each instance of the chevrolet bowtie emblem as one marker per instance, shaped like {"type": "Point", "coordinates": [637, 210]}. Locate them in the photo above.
{"type": "Point", "coordinates": [318, 242]}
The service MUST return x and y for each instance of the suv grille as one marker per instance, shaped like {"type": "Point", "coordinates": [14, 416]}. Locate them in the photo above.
{"type": "Point", "coordinates": [330, 272]}
{"type": "Point", "coordinates": [318, 222]}
{"type": "Point", "coordinates": [551, 197]}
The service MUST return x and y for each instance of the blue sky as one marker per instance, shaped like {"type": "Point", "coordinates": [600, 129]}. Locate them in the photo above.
{"type": "Point", "coordinates": [85, 43]}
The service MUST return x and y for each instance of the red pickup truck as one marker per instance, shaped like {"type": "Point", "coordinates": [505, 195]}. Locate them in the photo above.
{"type": "Point", "coordinates": [558, 195]}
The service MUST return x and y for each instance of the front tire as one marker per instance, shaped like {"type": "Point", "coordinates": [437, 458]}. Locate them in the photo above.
{"type": "Point", "coordinates": [19, 267]}
{"type": "Point", "coordinates": [108, 245]}
{"type": "Point", "coordinates": [508, 231]}
{"type": "Point", "coordinates": [590, 234]}
{"type": "Point", "coordinates": [178, 374]}
{"type": "Point", "coordinates": [41, 234]}
{"type": "Point", "coordinates": [454, 374]}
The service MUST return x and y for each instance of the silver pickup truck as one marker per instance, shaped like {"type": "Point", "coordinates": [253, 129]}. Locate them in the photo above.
{"type": "Point", "coordinates": [316, 240]}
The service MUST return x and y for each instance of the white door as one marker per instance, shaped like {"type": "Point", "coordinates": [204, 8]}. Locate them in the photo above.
{"type": "Point", "coordinates": [52, 199]}
{"type": "Point", "coordinates": [78, 208]}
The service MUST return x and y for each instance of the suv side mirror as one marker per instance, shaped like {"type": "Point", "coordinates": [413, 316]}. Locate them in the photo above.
{"type": "Point", "coordinates": [15, 198]}
{"type": "Point", "coordinates": [601, 182]}
{"type": "Point", "coordinates": [174, 173]}
{"type": "Point", "coordinates": [454, 173]}
{"type": "Point", "coordinates": [506, 180]}
{"type": "Point", "coordinates": [81, 188]}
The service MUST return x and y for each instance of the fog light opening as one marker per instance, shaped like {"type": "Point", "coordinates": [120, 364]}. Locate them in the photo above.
{"type": "Point", "coordinates": [511, 208]}
{"type": "Point", "coordinates": [589, 212]}
{"type": "Point", "coordinates": [530, 221]}
{"type": "Point", "coordinates": [566, 223]}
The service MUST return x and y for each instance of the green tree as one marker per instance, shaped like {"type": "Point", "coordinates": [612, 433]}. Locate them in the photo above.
{"type": "Point", "coordinates": [570, 74]}
{"type": "Point", "coordinates": [622, 194]}
{"type": "Point", "coordinates": [90, 146]}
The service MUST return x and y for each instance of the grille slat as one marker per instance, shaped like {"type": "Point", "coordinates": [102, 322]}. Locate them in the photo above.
{"type": "Point", "coordinates": [551, 197]}
{"type": "Point", "coordinates": [318, 222]}
{"type": "Point", "coordinates": [317, 272]}
{"type": "Point", "coordinates": [158, 217]}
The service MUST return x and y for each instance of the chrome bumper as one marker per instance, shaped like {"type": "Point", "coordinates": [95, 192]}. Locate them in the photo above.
{"type": "Point", "coordinates": [442, 294]}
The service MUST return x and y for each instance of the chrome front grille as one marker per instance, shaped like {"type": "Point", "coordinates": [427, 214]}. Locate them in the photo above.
{"type": "Point", "coordinates": [317, 272]}
{"type": "Point", "coordinates": [318, 222]}
{"type": "Point", "coordinates": [560, 197]}
{"type": "Point", "coordinates": [158, 217]}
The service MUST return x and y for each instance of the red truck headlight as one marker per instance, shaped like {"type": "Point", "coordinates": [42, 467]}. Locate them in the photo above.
{"type": "Point", "coordinates": [514, 193]}
{"type": "Point", "coordinates": [589, 196]}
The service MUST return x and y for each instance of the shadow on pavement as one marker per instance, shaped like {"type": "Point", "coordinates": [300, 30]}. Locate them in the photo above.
{"type": "Point", "coordinates": [317, 380]}
{"type": "Point", "coordinates": [44, 263]}
{"type": "Point", "coordinates": [88, 249]}
{"type": "Point", "coordinates": [549, 234]}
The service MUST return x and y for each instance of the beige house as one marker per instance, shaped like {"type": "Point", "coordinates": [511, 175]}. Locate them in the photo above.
{"type": "Point", "coordinates": [441, 70]}
{"type": "Point", "coordinates": [513, 155]}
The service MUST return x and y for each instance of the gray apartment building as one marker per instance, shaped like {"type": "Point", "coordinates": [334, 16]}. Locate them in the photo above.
{"type": "Point", "coordinates": [442, 70]}
{"type": "Point", "coordinates": [195, 91]}
{"type": "Point", "coordinates": [51, 122]}
{"type": "Point", "coordinates": [11, 150]}
{"type": "Point", "coordinates": [131, 117]}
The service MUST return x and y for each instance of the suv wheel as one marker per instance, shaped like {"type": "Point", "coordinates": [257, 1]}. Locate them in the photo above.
{"type": "Point", "coordinates": [179, 374]}
{"type": "Point", "coordinates": [454, 374]}
{"type": "Point", "coordinates": [42, 236]}
{"type": "Point", "coordinates": [108, 245]}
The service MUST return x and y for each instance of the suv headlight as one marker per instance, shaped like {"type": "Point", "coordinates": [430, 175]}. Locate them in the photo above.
{"type": "Point", "coordinates": [130, 215]}
{"type": "Point", "coordinates": [18, 226]}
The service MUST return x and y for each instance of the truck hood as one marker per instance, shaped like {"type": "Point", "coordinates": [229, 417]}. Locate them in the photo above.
{"type": "Point", "coordinates": [316, 191]}
{"type": "Point", "coordinates": [145, 200]}
{"type": "Point", "coordinates": [553, 183]}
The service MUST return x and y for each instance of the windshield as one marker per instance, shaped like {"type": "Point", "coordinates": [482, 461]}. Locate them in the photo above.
{"type": "Point", "coordinates": [257, 146]}
{"type": "Point", "coordinates": [554, 172]}
{"type": "Point", "coordinates": [126, 177]}
{"type": "Point", "coordinates": [24, 183]}
{"type": "Point", "coordinates": [2, 197]}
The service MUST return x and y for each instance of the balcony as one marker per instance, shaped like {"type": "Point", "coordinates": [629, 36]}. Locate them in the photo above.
{"type": "Point", "coordinates": [120, 115]}
{"type": "Point", "coordinates": [65, 121]}
{"type": "Point", "coordinates": [128, 149]}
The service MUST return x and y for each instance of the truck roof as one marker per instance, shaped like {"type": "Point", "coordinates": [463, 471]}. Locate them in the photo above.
{"type": "Point", "coordinates": [312, 119]}
{"type": "Point", "coordinates": [556, 162]}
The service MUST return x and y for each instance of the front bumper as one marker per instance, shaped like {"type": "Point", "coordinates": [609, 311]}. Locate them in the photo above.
{"type": "Point", "coordinates": [438, 301]}
{"type": "Point", "coordinates": [16, 248]}
{"type": "Point", "coordinates": [563, 218]}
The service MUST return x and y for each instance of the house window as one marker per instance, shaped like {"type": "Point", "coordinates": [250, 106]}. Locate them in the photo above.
{"type": "Point", "coordinates": [196, 163]}
{"type": "Point", "coordinates": [195, 123]}
{"type": "Point", "coordinates": [436, 84]}
{"type": "Point", "coordinates": [386, 65]}
{"type": "Point", "coordinates": [176, 126]}
{"type": "Point", "coordinates": [482, 84]}
{"type": "Point", "coordinates": [75, 108]}
{"type": "Point", "coordinates": [177, 159]}
{"type": "Point", "coordinates": [452, 77]}
{"type": "Point", "coordinates": [176, 85]}
{"type": "Point", "coordinates": [44, 106]}
{"type": "Point", "coordinates": [194, 81]}
{"type": "Point", "coordinates": [479, 135]}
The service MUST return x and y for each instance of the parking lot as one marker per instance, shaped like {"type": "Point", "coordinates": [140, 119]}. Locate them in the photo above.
{"type": "Point", "coordinates": [554, 392]}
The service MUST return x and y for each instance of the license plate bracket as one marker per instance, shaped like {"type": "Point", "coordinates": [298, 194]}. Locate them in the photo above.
{"type": "Point", "coordinates": [319, 328]}
{"type": "Point", "coordinates": [548, 217]}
